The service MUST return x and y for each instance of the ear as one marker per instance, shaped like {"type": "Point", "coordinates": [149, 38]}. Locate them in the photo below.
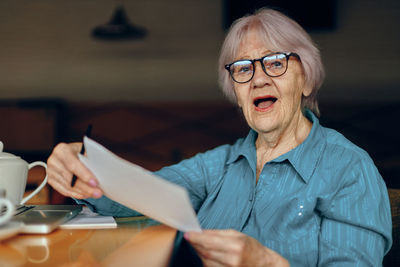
{"type": "Point", "coordinates": [307, 90]}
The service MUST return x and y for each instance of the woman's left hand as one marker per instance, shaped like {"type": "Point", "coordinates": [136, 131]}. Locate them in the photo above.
{"type": "Point", "coordinates": [232, 248]}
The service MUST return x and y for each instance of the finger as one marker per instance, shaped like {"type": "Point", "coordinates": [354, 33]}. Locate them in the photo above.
{"type": "Point", "coordinates": [58, 170]}
{"type": "Point", "coordinates": [222, 232]}
{"type": "Point", "coordinates": [80, 190]}
{"type": "Point", "coordinates": [88, 190]}
{"type": "Point", "coordinates": [62, 164]}
{"type": "Point", "coordinates": [59, 184]}
{"type": "Point", "coordinates": [211, 263]}
{"type": "Point", "coordinates": [56, 179]}
{"type": "Point", "coordinates": [214, 258]}
{"type": "Point", "coordinates": [72, 163]}
{"type": "Point", "coordinates": [223, 240]}
{"type": "Point", "coordinates": [232, 248]}
{"type": "Point", "coordinates": [62, 185]}
{"type": "Point", "coordinates": [67, 192]}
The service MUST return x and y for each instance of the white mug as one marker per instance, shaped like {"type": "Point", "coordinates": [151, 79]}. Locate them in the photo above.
{"type": "Point", "coordinates": [6, 208]}
{"type": "Point", "coordinates": [14, 175]}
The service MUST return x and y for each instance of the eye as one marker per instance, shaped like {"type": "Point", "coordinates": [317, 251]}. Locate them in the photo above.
{"type": "Point", "coordinates": [242, 67]}
{"type": "Point", "coordinates": [275, 61]}
{"type": "Point", "coordinates": [275, 65]}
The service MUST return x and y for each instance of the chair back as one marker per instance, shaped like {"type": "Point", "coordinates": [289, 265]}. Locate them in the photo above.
{"type": "Point", "coordinates": [393, 256]}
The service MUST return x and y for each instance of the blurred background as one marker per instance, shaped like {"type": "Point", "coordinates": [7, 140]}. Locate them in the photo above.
{"type": "Point", "coordinates": [150, 88]}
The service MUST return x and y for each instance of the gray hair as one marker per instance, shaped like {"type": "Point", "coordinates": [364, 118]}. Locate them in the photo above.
{"type": "Point", "coordinates": [284, 35]}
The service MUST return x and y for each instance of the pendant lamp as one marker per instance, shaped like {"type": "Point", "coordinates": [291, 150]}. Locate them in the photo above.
{"type": "Point", "coordinates": [119, 28]}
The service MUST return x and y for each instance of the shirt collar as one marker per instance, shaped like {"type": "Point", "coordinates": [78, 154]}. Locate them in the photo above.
{"type": "Point", "coordinates": [246, 148]}
{"type": "Point", "coordinates": [303, 158]}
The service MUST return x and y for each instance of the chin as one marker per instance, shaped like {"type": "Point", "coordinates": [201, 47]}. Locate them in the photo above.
{"type": "Point", "coordinates": [264, 126]}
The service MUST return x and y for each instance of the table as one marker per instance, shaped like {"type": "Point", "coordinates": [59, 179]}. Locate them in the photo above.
{"type": "Point", "coordinates": [135, 242]}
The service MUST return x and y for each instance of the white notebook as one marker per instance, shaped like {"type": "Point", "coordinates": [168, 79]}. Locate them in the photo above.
{"type": "Point", "coordinates": [88, 219]}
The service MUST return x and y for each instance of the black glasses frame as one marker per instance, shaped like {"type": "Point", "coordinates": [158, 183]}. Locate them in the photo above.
{"type": "Point", "coordinates": [287, 55]}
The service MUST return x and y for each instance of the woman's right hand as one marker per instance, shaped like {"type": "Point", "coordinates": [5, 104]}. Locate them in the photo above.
{"type": "Point", "coordinates": [62, 164]}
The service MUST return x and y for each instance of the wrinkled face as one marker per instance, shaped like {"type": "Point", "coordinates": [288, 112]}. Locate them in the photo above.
{"type": "Point", "coordinates": [269, 104]}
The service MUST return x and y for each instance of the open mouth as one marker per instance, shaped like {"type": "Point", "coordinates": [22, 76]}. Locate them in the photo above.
{"type": "Point", "coordinates": [264, 102]}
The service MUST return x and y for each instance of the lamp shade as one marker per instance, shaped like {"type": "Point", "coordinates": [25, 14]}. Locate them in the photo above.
{"type": "Point", "coordinates": [119, 28]}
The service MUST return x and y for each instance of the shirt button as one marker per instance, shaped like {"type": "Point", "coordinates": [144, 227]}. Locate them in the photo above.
{"type": "Point", "coordinates": [251, 197]}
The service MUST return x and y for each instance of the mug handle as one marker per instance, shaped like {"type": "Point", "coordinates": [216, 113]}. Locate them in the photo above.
{"type": "Point", "coordinates": [44, 259]}
{"type": "Point", "coordinates": [33, 164]}
{"type": "Point", "coordinates": [10, 210]}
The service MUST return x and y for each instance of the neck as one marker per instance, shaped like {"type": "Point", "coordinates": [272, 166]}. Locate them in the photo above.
{"type": "Point", "coordinates": [273, 144]}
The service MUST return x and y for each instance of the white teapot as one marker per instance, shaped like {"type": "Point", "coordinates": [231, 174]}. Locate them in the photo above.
{"type": "Point", "coordinates": [14, 174]}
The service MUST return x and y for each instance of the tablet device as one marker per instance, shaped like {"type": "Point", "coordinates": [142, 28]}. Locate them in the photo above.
{"type": "Point", "coordinates": [43, 219]}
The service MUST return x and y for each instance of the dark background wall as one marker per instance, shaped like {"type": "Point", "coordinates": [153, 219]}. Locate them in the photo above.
{"type": "Point", "coordinates": [49, 61]}
{"type": "Point", "coordinates": [46, 50]}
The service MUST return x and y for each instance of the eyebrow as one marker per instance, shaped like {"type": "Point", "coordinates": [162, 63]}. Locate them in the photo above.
{"type": "Point", "coordinates": [246, 57]}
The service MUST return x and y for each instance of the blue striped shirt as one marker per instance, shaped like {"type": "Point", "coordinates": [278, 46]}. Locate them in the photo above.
{"type": "Point", "coordinates": [322, 203]}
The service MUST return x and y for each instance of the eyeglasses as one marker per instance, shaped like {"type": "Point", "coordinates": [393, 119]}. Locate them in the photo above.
{"type": "Point", "coordinates": [274, 65]}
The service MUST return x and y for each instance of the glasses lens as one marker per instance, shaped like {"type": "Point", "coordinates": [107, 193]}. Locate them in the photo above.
{"type": "Point", "coordinates": [275, 64]}
{"type": "Point", "coordinates": [242, 71]}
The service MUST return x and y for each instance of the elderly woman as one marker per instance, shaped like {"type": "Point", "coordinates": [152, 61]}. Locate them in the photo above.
{"type": "Point", "coordinates": [292, 191]}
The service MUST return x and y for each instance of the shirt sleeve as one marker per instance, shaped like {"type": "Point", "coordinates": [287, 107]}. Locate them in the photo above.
{"type": "Point", "coordinates": [198, 174]}
{"type": "Point", "coordinates": [356, 221]}
{"type": "Point", "coordinates": [108, 207]}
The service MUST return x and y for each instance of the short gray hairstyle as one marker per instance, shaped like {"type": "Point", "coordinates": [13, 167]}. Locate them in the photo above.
{"type": "Point", "coordinates": [284, 35]}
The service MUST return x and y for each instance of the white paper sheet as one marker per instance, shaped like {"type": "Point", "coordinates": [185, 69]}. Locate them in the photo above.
{"type": "Point", "coordinates": [139, 189]}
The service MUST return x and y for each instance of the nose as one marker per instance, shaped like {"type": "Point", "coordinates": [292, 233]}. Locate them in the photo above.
{"type": "Point", "coordinates": [260, 78]}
